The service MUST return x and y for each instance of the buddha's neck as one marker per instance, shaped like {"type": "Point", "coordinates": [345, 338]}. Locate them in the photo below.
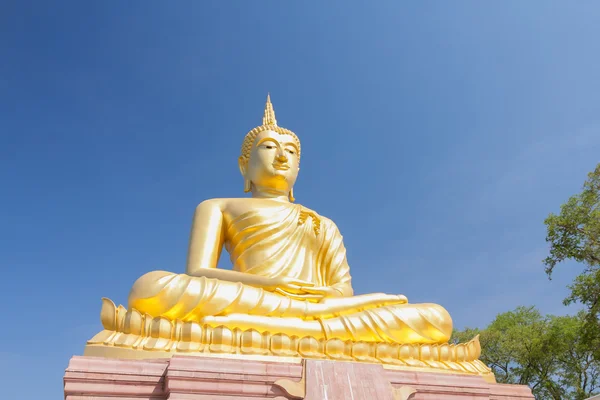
{"type": "Point", "coordinates": [263, 192]}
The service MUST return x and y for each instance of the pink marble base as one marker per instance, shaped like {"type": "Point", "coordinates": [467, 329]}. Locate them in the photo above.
{"type": "Point", "coordinates": [203, 378]}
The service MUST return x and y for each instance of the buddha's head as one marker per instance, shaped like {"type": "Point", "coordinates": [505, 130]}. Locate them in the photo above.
{"type": "Point", "coordinates": [270, 156]}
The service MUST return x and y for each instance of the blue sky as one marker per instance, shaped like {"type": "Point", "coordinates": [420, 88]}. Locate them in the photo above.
{"type": "Point", "coordinates": [438, 136]}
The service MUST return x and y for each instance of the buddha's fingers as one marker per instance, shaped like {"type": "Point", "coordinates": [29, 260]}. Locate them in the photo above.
{"type": "Point", "coordinates": [342, 305]}
{"type": "Point", "coordinates": [380, 299]}
{"type": "Point", "coordinates": [295, 289]}
{"type": "Point", "coordinates": [299, 297]}
{"type": "Point", "coordinates": [322, 291]}
{"type": "Point", "coordinates": [290, 285]}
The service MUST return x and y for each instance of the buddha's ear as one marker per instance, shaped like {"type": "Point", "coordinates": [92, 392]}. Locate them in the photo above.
{"type": "Point", "coordinates": [243, 164]}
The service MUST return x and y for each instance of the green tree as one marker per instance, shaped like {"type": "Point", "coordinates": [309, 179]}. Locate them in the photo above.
{"type": "Point", "coordinates": [546, 353]}
{"type": "Point", "coordinates": [515, 347]}
{"type": "Point", "coordinates": [578, 371]}
{"type": "Point", "coordinates": [574, 234]}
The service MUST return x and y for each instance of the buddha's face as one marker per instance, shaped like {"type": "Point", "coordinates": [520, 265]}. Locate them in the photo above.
{"type": "Point", "coordinates": [273, 161]}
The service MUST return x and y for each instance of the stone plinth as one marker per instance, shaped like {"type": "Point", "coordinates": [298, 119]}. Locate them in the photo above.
{"type": "Point", "coordinates": [203, 378]}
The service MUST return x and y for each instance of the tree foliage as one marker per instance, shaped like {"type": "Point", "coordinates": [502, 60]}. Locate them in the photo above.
{"type": "Point", "coordinates": [558, 357]}
{"type": "Point", "coordinates": [546, 353]}
{"type": "Point", "coordinates": [574, 235]}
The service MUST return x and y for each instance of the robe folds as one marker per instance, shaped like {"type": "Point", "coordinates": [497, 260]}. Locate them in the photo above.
{"type": "Point", "coordinates": [289, 240]}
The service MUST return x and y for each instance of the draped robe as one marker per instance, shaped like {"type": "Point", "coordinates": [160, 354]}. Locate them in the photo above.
{"type": "Point", "coordinates": [288, 240]}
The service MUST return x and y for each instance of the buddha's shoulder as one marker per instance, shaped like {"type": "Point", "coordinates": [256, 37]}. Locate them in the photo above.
{"type": "Point", "coordinates": [238, 204]}
{"type": "Point", "coordinates": [222, 203]}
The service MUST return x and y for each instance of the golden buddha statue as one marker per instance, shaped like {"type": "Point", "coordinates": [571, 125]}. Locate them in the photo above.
{"type": "Point", "coordinates": [290, 279]}
{"type": "Point", "coordinates": [290, 273]}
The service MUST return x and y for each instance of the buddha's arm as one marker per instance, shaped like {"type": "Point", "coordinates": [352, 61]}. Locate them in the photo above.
{"type": "Point", "coordinates": [206, 237]}
{"type": "Point", "coordinates": [206, 243]}
{"type": "Point", "coordinates": [343, 285]}
{"type": "Point", "coordinates": [338, 276]}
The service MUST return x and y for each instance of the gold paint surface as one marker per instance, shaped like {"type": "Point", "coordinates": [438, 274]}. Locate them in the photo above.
{"type": "Point", "coordinates": [289, 293]}
{"type": "Point", "coordinates": [162, 339]}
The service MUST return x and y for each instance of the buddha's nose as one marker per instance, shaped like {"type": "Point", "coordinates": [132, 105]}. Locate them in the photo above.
{"type": "Point", "coordinates": [281, 158]}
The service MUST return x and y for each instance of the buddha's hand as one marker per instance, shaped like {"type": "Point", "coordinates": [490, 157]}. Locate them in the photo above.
{"type": "Point", "coordinates": [322, 292]}
{"type": "Point", "coordinates": [364, 301]}
{"type": "Point", "coordinates": [286, 284]}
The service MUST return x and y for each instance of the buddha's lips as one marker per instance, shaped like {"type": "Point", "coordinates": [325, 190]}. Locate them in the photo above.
{"type": "Point", "coordinates": [282, 167]}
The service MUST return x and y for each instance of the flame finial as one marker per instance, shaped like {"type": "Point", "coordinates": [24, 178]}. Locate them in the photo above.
{"type": "Point", "coordinates": [269, 117]}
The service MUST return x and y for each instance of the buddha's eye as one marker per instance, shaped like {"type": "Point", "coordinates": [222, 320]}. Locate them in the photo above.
{"type": "Point", "coordinates": [269, 147]}
{"type": "Point", "coordinates": [291, 152]}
